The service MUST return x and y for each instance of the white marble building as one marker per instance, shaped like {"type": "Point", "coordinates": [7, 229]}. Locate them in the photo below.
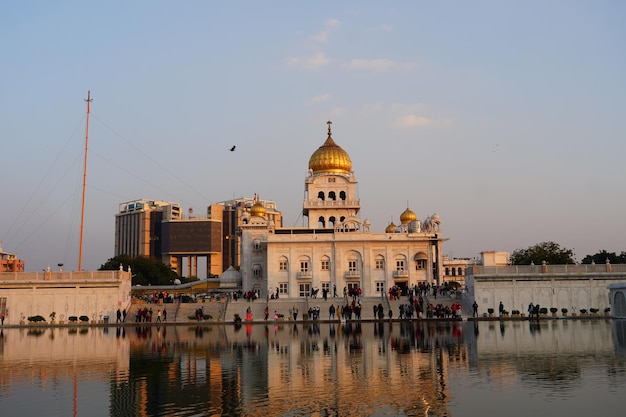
{"type": "Point", "coordinates": [336, 249]}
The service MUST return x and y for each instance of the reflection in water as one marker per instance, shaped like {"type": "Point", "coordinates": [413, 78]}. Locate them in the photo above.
{"type": "Point", "coordinates": [436, 368]}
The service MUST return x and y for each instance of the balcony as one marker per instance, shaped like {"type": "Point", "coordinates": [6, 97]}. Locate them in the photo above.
{"type": "Point", "coordinates": [304, 275]}
{"type": "Point", "coordinates": [312, 204]}
{"type": "Point", "coordinates": [353, 274]}
{"type": "Point", "coordinates": [400, 274]}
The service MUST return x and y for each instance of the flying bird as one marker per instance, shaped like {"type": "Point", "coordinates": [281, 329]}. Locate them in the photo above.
{"type": "Point", "coordinates": [233, 148]}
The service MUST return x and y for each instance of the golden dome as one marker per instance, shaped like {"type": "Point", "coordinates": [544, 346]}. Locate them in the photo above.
{"type": "Point", "coordinates": [330, 158]}
{"type": "Point", "coordinates": [257, 210]}
{"type": "Point", "coordinates": [407, 216]}
{"type": "Point", "coordinates": [391, 228]}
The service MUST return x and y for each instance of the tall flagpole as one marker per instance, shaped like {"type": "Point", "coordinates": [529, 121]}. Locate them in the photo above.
{"type": "Point", "coordinates": [82, 209]}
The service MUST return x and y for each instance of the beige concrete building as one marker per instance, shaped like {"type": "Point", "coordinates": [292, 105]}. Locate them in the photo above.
{"type": "Point", "coordinates": [9, 262]}
{"type": "Point", "coordinates": [336, 250]}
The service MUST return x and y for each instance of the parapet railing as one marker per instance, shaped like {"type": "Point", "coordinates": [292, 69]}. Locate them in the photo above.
{"type": "Point", "coordinates": [547, 269]}
{"type": "Point", "coordinates": [61, 276]}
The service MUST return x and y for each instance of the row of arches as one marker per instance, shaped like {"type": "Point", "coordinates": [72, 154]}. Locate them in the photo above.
{"type": "Point", "coordinates": [354, 263]}
{"type": "Point", "coordinates": [451, 271]}
{"type": "Point", "coordinates": [331, 196]}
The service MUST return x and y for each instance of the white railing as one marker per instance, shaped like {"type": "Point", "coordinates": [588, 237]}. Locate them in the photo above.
{"type": "Point", "coordinates": [60, 276]}
{"type": "Point", "coordinates": [331, 203]}
{"type": "Point", "coordinates": [547, 269]}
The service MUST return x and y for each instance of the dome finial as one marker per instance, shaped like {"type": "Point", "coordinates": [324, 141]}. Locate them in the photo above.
{"type": "Point", "coordinates": [330, 132]}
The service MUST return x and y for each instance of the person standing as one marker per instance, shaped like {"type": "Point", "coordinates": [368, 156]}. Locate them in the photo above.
{"type": "Point", "coordinates": [295, 313]}
{"type": "Point", "coordinates": [500, 308]}
{"type": "Point", "coordinates": [475, 308]}
{"type": "Point", "coordinates": [331, 312]}
{"type": "Point", "coordinates": [158, 315]}
{"type": "Point", "coordinates": [164, 314]}
{"type": "Point", "coordinates": [2, 318]}
{"type": "Point", "coordinates": [119, 316]}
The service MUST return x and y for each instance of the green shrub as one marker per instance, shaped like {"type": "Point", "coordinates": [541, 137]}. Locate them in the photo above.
{"type": "Point", "coordinates": [564, 310]}
{"type": "Point", "coordinates": [543, 310]}
{"type": "Point", "coordinates": [515, 312]}
{"type": "Point", "coordinates": [490, 310]}
{"type": "Point", "coordinates": [593, 310]}
{"type": "Point", "coordinates": [607, 309]}
{"type": "Point", "coordinates": [583, 311]}
{"type": "Point", "coordinates": [36, 319]}
{"type": "Point", "coordinates": [553, 310]}
{"type": "Point", "coordinates": [72, 319]}
{"type": "Point", "coordinates": [84, 319]}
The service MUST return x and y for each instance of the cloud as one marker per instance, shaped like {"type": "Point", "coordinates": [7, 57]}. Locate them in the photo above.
{"type": "Point", "coordinates": [319, 99]}
{"type": "Point", "coordinates": [317, 60]}
{"type": "Point", "coordinates": [379, 64]}
{"type": "Point", "coordinates": [324, 34]}
{"type": "Point", "coordinates": [412, 120]}
{"type": "Point", "coordinates": [386, 27]}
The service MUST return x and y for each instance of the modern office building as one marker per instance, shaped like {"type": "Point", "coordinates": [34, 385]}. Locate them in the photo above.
{"type": "Point", "coordinates": [160, 230]}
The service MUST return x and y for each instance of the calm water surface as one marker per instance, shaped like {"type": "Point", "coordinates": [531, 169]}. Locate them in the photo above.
{"type": "Point", "coordinates": [515, 368]}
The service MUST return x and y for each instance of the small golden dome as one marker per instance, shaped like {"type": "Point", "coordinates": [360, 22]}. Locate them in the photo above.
{"type": "Point", "coordinates": [391, 228]}
{"type": "Point", "coordinates": [407, 216]}
{"type": "Point", "coordinates": [257, 210]}
{"type": "Point", "coordinates": [330, 157]}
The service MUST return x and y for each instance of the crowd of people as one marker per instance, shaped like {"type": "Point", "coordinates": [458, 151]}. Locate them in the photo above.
{"type": "Point", "coordinates": [145, 315]}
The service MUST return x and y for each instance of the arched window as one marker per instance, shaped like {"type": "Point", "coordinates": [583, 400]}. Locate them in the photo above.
{"type": "Point", "coordinates": [256, 271]}
{"type": "Point", "coordinates": [331, 221]}
{"type": "Point", "coordinates": [447, 271]}
{"type": "Point", "coordinates": [320, 196]}
{"type": "Point", "coordinates": [420, 261]}
{"type": "Point", "coordinates": [379, 262]}
{"type": "Point", "coordinates": [321, 223]}
{"type": "Point", "coordinates": [342, 195]}
{"type": "Point", "coordinates": [283, 264]}
{"type": "Point", "coordinates": [325, 265]}
{"type": "Point", "coordinates": [460, 272]}
{"type": "Point", "coordinates": [331, 195]}
{"type": "Point", "coordinates": [256, 245]}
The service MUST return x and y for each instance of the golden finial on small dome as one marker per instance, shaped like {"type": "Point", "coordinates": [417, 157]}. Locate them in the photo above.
{"type": "Point", "coordinates": [330, 157]}
{"type": "Point", "coordinates": [257, 209]}
{"type": "Point", "coordinates": [407, 216]}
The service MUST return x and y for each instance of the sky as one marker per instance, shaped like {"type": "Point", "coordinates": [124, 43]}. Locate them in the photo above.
{"type": "Point", "coordinates": [506, 118]}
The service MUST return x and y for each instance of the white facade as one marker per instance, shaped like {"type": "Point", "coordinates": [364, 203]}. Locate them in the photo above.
{"type": "Point", "coordinates": [92, 294]}
{"type": "Point", "coordinates": [573, 287]}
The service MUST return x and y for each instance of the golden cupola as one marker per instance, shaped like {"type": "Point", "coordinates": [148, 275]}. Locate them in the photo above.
{"type": "Point", "coordinates": [257, 210]}
{"type": "Point", "coordinates": [330, 158]}
{"type": "Point", "coordinates": [407, 216]}
{"type": "Point", "coordinates": [391, 228]}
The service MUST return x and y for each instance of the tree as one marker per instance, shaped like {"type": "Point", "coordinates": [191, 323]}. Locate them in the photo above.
{"type": "Point", "coordinates": [550, 252]}
{"type": "Point", "coordinates": [146, 271]}
{"type": "Point", "coordinates": [603, 255]}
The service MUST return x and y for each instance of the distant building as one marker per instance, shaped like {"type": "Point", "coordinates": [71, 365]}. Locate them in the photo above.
{"type": "Point", "coordinates": [159, 230]}
{"type": "Point", "coordinates": [9, 262]}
